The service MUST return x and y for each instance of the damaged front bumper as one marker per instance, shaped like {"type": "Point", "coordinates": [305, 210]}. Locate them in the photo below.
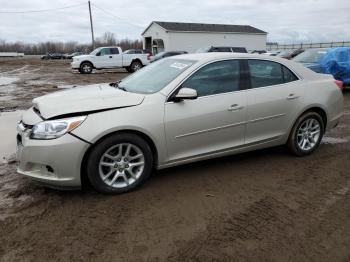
{"type": "Point", "coordinates": [55, 162]}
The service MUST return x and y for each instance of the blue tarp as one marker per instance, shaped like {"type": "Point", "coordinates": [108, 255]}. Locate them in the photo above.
{"type": "Point", "coordinates": [337, 63]}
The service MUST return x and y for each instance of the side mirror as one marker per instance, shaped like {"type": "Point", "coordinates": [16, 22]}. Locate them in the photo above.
{"type": "Point", "coordinates": [98, 53]}
{"type": "Point", "coordinates": [185, 93]}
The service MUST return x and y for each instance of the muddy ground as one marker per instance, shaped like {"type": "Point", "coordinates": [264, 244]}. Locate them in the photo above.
{"type": "Point", "coordinates": [260, 206]}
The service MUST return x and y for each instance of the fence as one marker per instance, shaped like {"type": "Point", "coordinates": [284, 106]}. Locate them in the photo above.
{"type": "Point", "coordinates": [276, 46]}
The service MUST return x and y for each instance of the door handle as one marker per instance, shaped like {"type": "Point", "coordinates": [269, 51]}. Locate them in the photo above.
{"type": "Point", "coordinates": [235, 107]}
{"type": "Point", "coordinates": [292, 96]}
{"type": "Point", "coordinates": [110, 56]}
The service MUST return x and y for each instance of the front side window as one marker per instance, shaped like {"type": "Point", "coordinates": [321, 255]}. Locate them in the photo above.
{"type": "Point", "coordinates": [268, 73]}
{"type": "Point", "coordinates": [105, 51]}
{"type": "Point", "coordinates": [215, 78]}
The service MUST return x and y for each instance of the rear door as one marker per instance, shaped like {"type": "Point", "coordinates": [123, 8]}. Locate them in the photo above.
{"type": "Point", "coordinates": [213, 122]}
{"type": "Point", "coordinates": [273, 99]}
{"type": "Point", "coordinates": [116, 58]}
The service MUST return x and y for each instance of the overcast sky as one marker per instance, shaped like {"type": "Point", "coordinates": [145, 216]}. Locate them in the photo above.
{"type": "Point", "coordinates": [286, 21]}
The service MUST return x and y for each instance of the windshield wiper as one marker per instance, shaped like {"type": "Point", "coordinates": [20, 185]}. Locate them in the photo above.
{"type": "Point", "coordinates": [116, 85]}
{"type": "Point", "coordinates": [122, 88]}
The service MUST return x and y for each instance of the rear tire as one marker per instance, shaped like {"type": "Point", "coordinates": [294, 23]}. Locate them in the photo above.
{"type": "Point", "coordinates": [128, 69]}
{"type": "Point", "coordinates": [86, 68]}
{"type": "Point", "coordinates": [119, 164]}
{"type": "Point", "coordinates": [306, 134]}
{"type": "Point", "coordinates": [135, 66]}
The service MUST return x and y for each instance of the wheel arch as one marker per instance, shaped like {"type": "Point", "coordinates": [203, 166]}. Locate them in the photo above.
{"type": "Point", "coordinates": [136, 60]}
{"type": "Point", "coordinates": [321, 111]}
{"type": "Point", "coordinates": [314, 108]}
{"type": "Point", "coordinates": [86, 61]}
{"type": "Point", "coordinates": [83, 175]}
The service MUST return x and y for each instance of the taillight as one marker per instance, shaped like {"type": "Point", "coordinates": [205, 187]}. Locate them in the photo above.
{"type": "Point", "coordinates": [149, 57]}
{"type": "Point", "coordinates": [339, 84]}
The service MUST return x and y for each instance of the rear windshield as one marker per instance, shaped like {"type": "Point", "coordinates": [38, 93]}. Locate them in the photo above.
{"type": "Point", "coordinates": [310, 56]}
{"type": "Point", "coordinates": [155, 76]}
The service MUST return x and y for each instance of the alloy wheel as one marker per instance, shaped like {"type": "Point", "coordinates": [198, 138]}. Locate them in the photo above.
{"type": "Point", "coordinates": [121, 165]}
{"type": "Point", "coordinates": [86, 68]}
{"type": "Point", "coordinates": [136, 67]}
{"type": "Point", "coordinates": [308, 134]}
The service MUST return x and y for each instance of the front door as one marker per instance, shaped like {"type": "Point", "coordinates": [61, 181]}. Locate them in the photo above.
{"type": "Point", "coordinates": [213, 122]}
{"type": "Point", "coordinates": [103, 58]}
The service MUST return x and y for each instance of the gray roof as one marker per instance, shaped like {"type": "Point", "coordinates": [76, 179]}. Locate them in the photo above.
{"type": "Point", "coordinates": [197, 27]}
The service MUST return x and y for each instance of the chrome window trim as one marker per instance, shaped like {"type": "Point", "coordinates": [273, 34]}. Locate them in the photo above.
{"type": "Point", "coordinates": [299, 78]}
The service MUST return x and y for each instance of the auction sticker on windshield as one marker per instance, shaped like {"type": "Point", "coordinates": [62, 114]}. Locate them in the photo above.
{"type": "Point", "coordinates": [178, 65]}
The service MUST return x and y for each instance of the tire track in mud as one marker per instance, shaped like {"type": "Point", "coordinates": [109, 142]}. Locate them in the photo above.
{"type": "Point", "coordinates": [14, 70]}
{"type": "Point", "coordinates": [84, 225]}
{"type": "Point", "coordinates": [225, 238]}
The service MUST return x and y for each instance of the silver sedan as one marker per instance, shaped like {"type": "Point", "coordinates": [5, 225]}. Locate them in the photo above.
{"type": "Point", "coordinates": [175, 111]}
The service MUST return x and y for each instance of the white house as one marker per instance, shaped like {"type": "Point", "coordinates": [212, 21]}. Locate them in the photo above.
{"type": "Point", "coordinates": [172, 36]}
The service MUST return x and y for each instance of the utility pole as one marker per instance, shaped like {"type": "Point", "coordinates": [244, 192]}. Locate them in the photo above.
{"type": "Point", "coordinates": [92, 28]}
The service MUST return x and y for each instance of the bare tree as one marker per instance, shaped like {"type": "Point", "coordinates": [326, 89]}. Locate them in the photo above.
{"type": "Point", "coordinates": [108, 39]}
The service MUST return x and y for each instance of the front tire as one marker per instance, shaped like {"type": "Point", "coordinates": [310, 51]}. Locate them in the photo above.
{"type": "Point", "coordinates": [119, 164]}
{"type": "Point", "coordinates": [306, 134]}
{"type": "Point", "coordinates": [86, 68]}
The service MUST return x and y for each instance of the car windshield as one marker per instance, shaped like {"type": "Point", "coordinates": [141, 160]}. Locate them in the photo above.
{"type": "Point", "coordinates": [95, 51]}
{"type": "Point", "coordinates": [155, 76]}
{"type": "Point", "coordinates": [311, 56]}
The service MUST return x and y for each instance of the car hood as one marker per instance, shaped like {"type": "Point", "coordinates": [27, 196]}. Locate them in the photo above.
{"type": "Point", "coordinates": [82, 57]}
{"type": "Point", "coordinates": [84, 100]}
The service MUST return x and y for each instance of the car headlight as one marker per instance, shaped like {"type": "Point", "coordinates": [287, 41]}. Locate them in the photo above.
{"type": "Point", "coordinates": [55, 128]}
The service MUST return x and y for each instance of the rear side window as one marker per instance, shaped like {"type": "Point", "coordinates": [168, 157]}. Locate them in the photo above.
{"type": "Point", "coordinates": [268, 73]}
{"type": "Point", "coordinates": [288, 75]}
{"type": "Point", "coordinates": [220, 49]}
{"type": "Point", "coordinates": [239, 50]}
{"type": "Point", "coordinates": [114, 51]}
{"type": "Point", "coordinates": [215, 78]}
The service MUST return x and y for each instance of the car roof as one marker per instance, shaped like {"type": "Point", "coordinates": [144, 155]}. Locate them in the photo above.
{"type": "Point", "coordinates": [222, 55]}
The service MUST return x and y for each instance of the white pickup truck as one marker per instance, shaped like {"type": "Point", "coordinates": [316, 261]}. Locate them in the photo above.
{"type": "Point", "coordinates": [109, 57]}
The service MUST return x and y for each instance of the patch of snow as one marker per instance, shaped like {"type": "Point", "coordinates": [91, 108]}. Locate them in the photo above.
{"type": "Point", "coordinates": [7, 80]}
{"type": "Point", "coordinates": [333, 140]}
{"type": "Point", "coordinates": [8, 131]}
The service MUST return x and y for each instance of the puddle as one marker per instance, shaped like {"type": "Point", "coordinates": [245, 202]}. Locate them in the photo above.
{"type": "Point", "coordinates": [7, 80]}
{"type": "Point", "coordinates": [333, 140]}
{"type": "Point", "coordinates": [8, 122]}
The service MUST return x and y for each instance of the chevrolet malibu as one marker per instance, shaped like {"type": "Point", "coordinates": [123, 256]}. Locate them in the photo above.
{"type": "Point", "coordinates": [175, 111]}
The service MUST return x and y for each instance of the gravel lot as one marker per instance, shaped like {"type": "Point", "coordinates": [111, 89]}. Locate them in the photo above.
{"type": "Point", "coordinates": [262, 206]}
